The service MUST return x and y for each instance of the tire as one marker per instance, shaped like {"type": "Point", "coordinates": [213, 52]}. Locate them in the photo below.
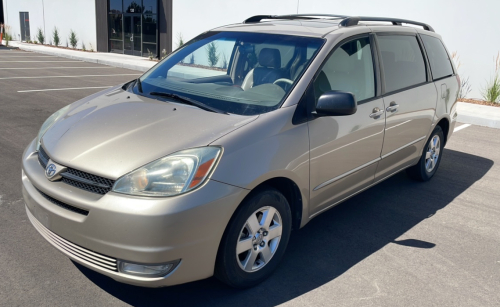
{"type": "Point", "coordinates": [428, 164]}
{"type": "Point", "coordinates": [259, 251]}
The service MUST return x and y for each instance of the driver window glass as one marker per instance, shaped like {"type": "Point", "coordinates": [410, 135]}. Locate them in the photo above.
{"type": "Point", "coordinates": [349, 69]}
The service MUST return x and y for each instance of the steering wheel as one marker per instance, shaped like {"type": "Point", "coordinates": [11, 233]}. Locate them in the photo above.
{"type": "Point", "coordinates": [283, 80]}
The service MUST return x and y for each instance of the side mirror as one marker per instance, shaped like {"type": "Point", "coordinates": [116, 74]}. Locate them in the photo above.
{"type": "Point", "coordinates": [336, 103]}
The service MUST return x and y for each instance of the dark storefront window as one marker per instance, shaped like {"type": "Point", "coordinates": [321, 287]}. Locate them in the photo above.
{"type": "Point", "coordinates": [150, 6]}
{"type": "Point", "coordinates": [133, 27]}
{"type": "Point", "coordinates": [115, 6]}
{"type": "Point", "coordinates": [149, 26]}
{"type": "Point", "coordinates": [115, 25]}
{"type": "Point", "coordinates": [132, 6]}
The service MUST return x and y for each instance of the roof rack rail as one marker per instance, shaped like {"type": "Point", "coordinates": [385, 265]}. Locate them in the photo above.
{"type": "Point", "coordinates": [352, 21]}
{"type": "Point", "coordinates": [258, 18]}
{"type": "Point", "coordinates": [347, 21]}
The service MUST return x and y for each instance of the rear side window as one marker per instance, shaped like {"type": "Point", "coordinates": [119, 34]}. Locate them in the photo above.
{"type": "Point", "coordinates": [440, 61]}
{"type": "Point", "coordinates": [402, 61]}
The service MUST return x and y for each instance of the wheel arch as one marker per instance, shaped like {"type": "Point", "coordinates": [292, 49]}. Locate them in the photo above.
{"type": "Point", "coordinates": [444, 123]}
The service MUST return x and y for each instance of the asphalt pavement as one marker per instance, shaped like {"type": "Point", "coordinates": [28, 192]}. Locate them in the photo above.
{"type": "Point", "coordinates": [400, 243]}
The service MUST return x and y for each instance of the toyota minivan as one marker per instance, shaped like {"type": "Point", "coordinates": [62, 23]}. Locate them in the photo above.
{"type": "Point", "coordinates": [205, 164]}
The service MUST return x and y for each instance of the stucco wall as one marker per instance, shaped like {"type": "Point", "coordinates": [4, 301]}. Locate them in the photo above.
{"type": "Point", "coordinates": [78, 15]}
{"type": "Point", "coordinates": [469, 27]}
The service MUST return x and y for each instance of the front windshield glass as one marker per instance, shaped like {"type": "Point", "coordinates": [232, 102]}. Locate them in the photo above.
{"type": "Point", "coordinates": [234, 72]}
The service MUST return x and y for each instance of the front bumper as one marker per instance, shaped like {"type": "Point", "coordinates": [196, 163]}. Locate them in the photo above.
{"type": "Point", "coordinates": [141, 230]}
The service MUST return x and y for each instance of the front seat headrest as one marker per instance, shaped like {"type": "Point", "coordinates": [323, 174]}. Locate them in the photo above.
{"type": "Point", "coordinates": [270, 57]}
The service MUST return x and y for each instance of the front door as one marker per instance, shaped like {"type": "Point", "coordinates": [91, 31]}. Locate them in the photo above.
{"type": "Point", "coordinates": [345, 150]}
{"type": "Point", "coordinates": [132, 34]}
{"type": "Point", "coordinates": [24, 17]}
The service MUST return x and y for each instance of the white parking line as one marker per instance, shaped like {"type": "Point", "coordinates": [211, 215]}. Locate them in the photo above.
{"type": "Point", "coordinates": [461, 127]}
{"type": "Point", "coordinates": [80, 76]}
{"type": "Point", "coordinates": [38, 61]}
{"type": "Point", "coordinates": [31, 56]}
{"type": "Point", "coordinates": [94, 67]}
{"type": "Point", "coordinates": [64, 89]}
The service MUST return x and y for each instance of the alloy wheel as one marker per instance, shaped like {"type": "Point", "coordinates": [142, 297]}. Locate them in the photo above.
{"type": "Point", "coordinates": [432, 154]}
{"type": "Point", "coordinates": [259, 239]}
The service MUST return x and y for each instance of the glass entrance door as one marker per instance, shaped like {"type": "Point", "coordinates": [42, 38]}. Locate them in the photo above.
{"type": "Point", "coordinates": [132, 34]}
{"type": "Point", "coordinates": [25, 26]}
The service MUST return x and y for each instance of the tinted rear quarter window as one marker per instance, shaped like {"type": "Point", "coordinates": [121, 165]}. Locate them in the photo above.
{"type": "Point", "coordinates": [402, 61]}
{"type": "Point", "coordinates": [438, 57]}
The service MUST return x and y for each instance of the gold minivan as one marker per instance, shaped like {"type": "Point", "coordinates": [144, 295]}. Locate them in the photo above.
{"type": "Point", "coordinates": [205, 164]}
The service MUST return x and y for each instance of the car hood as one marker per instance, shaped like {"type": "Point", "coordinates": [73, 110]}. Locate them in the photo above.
{"type": "Point", "coordinates": [113, 133]}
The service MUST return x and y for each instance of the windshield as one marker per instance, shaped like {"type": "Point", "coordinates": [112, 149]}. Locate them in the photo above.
{"type": "Point", "coordinates": [234, 72]}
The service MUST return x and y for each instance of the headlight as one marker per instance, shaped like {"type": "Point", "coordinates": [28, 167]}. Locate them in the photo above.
{"type": "Point", "coordinates": [172, 175]}
{"type": "Point", "coordinates": [48, 123]}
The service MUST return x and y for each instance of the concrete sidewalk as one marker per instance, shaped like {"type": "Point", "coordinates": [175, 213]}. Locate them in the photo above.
{"type": "Point", "coordinates": [111, 59]}
{"type": "Point", "coordinates": [469, 113]}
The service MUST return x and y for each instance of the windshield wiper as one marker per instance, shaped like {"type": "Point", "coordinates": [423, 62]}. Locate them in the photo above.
{"type": "Point", "coordinates": [187, 100]}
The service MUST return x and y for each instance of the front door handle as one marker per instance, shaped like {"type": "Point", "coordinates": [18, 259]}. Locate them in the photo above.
{"type": "Point", "coordinates": [376, 113]}
{"type": "Point", "coordinates": [392, 107]}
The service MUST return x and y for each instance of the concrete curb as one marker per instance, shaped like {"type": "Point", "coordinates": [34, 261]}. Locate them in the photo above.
{"type": "Point", "coordinates": [469, 113]}
{"type": "Point", "coordinates": [109, 59]}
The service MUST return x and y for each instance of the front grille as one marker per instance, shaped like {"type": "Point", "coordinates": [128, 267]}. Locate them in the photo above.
{"type": "Point", "coordinates": [43, 157]}
{"type": "Point", "coordinates": [73, 250]}
{"type": "Point", "coordinates": [79, 179]}
{"type": "Point", "coordinates": [63, 205]}
{"type": "Point", "coordinates": [87, 182]}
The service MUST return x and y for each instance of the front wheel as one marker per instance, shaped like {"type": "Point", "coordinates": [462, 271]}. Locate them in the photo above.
{"type": "Point", "coordinates": [255, 239]}
{"type": "Point", "coordinates": [431, 157]}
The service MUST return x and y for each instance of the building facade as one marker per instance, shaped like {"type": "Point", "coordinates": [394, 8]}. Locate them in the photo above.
{"type": "Point", "coordinates": [134, 27]}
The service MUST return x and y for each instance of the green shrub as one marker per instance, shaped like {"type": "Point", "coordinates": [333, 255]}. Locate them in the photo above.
{"type": "Point", "coordinates": [491, 92]}
{"type": "Point", "coordinates": [73, 39]}
{"type": "Point", "coordinates": [40, 37]}
{"type": "Point", "coordinates": [55, 37]}
{"type": "Point", "coordinates": [83, 46]}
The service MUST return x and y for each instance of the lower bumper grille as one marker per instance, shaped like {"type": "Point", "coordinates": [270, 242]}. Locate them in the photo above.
{"type": "Point", "coordinates": [73, 250]}
{"type": "Point", "coordinates": [63, 205]}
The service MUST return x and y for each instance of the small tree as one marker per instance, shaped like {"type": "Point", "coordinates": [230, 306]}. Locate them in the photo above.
{"type": "Point", "coordinates": [40, 37]}
{"type": "Point", "coordinates": [73, 39]}
{"type": "Point", "coordinates": [83, 46]}
{"type": "Point", "coordinates": [6, 35]}
{"type": "Point", "coordinates": [191, 59]}
{"type": "Point", "coordinates": [180, 40]}
{"type": "Point", "coordinates": [224, 61]}
{"type": "Point", "coordinates": [212, 55]}
{"type": "Point", "coordinates": [55, 37]}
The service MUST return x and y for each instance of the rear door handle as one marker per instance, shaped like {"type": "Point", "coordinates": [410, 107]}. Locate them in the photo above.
{"type": "Point", "coordinates": [376, 113]}
{"type": "Point", "coordinates": [392, 107]}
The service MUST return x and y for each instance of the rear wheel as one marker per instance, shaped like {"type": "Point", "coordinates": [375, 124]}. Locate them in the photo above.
{"type": "Point", "coordinates": [255, 239]}
{"type": "Point", "coordinates": [431, 157]}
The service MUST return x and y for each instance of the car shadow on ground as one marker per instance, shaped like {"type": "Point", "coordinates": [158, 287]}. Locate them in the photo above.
{"type": "Point", "coordinates": [330, 244]}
